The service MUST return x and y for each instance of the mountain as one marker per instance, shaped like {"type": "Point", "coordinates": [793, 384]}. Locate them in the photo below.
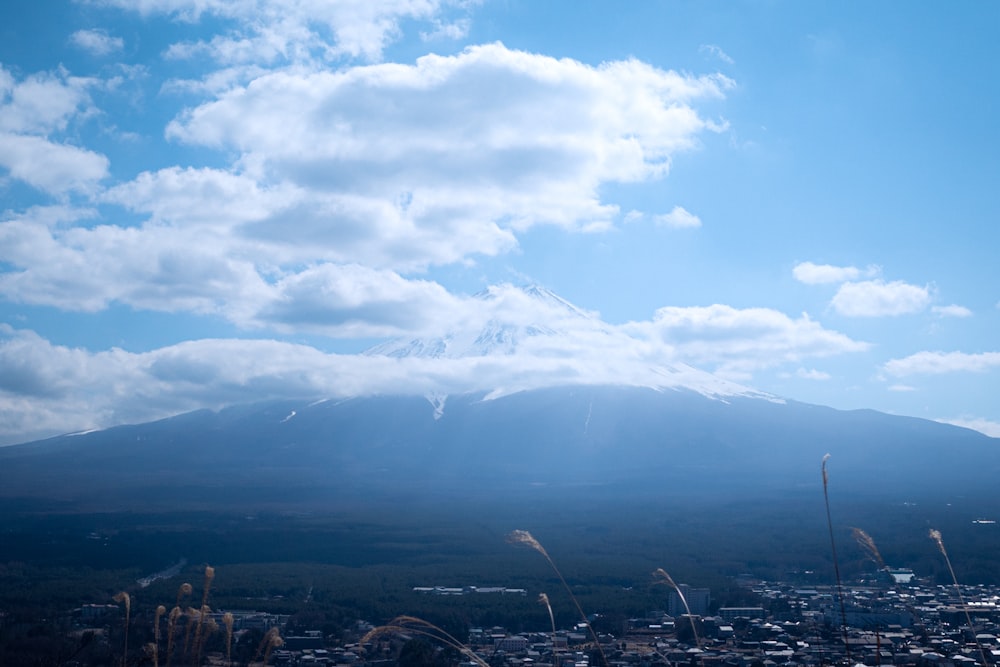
{"type": "Point", "coordinates": [611, 440]}
{"type": "Point", "coordinates": [626, 430]}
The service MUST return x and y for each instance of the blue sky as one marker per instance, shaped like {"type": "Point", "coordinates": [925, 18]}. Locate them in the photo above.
{"type": "Point", "coordinates": [204, 202]}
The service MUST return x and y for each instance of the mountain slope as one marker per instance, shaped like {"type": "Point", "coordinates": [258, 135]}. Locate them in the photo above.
{"type": "Point", "coordinates": [611, 440]}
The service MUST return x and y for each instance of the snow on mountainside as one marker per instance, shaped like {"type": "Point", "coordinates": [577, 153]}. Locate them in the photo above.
{"type": "Point", "coordinates": [545, 341]}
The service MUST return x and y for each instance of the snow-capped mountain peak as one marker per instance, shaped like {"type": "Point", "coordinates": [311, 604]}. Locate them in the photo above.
{"type": "Point", "coordinates": [525, 338]}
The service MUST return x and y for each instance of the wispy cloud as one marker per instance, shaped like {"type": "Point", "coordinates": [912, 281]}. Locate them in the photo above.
{"type": "Point", "coordinates": [820, 274]}
{"type": "Point", "coordinates": [937, 363]}
{"type": "Point", "coordinates": [273, 31]}
{"type": "Point", "coordinates": [716, 52]}
{"type": "Point", "coordinates": [97, 42]}
{"type": "Point", "coordinates": [984, 426]}
{"type": "Point", "coordinates": [953, 310]}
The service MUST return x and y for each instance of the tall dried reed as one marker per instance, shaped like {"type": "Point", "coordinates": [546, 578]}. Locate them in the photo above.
{"type": "Point", "coordinates": [127, 599]}
{"type": "Point", "coordinates": [660, 575]}
{"type": "Point", "coordinates": [524, 538]}
{"type": "Point", "coordinates": [936, 536]}
{"type": "Point", "coordinates": [227, 620]}
{"type": "Point", "coordinates": [271, 640]}
{"type": "Point", "coordinates": [191, 613]}
{"type": "Point", "coordinates": [867, 545]}
{"type": "Point", "coordinates": [411, 625]}
{"type": "Point", "coordinates": [836, 563]}
{"type": "Point", "coordinates": [543, 599]}
{"type": "Point", "coordinates": [183, 591]}
{"type": "Point", "coordinates": [160, 611]}
{"type": "Point", "coordinates": [175, 613]}
{"type": "Point", "coordinates": [203, 613]}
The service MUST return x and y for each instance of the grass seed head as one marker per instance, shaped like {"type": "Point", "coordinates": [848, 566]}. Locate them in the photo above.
{"type": "Point", "coordinates": [867, 544]}
{"type": "Point", "coordinates": [525, 538]}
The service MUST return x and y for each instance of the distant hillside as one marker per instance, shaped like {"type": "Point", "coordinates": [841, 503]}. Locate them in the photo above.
{"type": "Point", "coordinates": [608, 441]}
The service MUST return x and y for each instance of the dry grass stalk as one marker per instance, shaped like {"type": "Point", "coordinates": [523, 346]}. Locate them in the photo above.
{"type": "Point", "coordinates": [127, 599]}
{"type": "Point", "coordinates": [160, 611]}
{"type": "Point", "coordinates": [184, 590]}
{"type": "Point", "coordinates": [205, 610]}
{"type": "Point", "coordinates": [227, 620]}
{"type": "Point", "coordinates": [936, 536]}
{"type": "Point", "coordinates": [867, 545]}
{"type": "Point", "coordinates": [836, 563]}
{"type": "Point", "coordinates": [524, 538]}
{"type": "Point", "coordinates": [175, 613]}
{"type": "Point", "coordinates": [544, 600]}
{"type": "Point", "coordinates": [411, 625]}
{"type": "Point", "coordinates": [191, 613]}
{"type": "Point", "coordinates": [661, 575]}
{"type": "Point", "coordinates": [201, 634]}
{"type": "Point", "coordinates": [267, 644]}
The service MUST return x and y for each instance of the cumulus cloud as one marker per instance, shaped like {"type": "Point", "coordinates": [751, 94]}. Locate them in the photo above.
{"type": "Point", "coordinates": [739, 341]}
{"type": "Point", "coordinates": [877, 298]}
{"type": "Point", "coordinates": [819, 274]}
{"type": "Point", "coordinates": [937, 363]}
{"type": "Point", "coordinates": [396, 168]}
{"type": "Point", "coordinates": [31, 112]}
{"type": "Point", "coordinates": [97, 42]}
{"type": "Point", "coordinates": [678, 218]}
{"type": "Point", "coordinates": [459, 145]}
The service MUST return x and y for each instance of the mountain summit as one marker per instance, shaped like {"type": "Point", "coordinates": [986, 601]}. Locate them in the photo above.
{"type": "Point", "coordinates": [531, 338]}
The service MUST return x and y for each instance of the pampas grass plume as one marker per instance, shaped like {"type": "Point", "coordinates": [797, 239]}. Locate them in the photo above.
{"type": "Point", "coordinates": [175, 613]}
{"type": "Point", "coordinates": [227, 620]}
{"type": "Point", "coordinates": [523, 537]}
{"type": "Point", "coordinates": [127, 599]}
{"type": "Point", "coordinates": [936, 536]}
{"type": "Point", "coordinates": [160, 611]}
{"type": "Point", "coordinates": [868, 546]}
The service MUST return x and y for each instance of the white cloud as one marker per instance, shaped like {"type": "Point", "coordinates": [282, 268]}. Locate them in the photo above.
{"type": "Point", "coordinates": [984, 426]}
{"type": "Point", "coordinates": [451, 153]}
{"type": "Point", "coordinates": [819, 274]}
{"type": "Point", "coordinates": [442, 30]}
{"type": "Point", "coordinates": [902, 388]}
{"type": "Point", "coordinates": [46, 388]}
{"type": "Point", "coordinates": [678, 218]}
{"type": "Point", "coordinates": [97, 42]}
{"type": "Point", "coordinates": [951, 311]}
{"type": "Point", "coordinates": [31, 111]}
{"type": "Point", "coordinates": [268, 31]}
{"type": "Point", "coordinates": [391, 167]}
{"type": "Point", "coordinates": [51, 167]}
{"type": "Point", "coordinates": [739, 341]}
{"type": "Point", "coordinates": [716, 52]}
{"type": "Point", "coordinates": [937, 363]}
{"type": "Point", "coordinates": [877, 298]}
{"type": "Point", "coordinates": [41, 103]}
{"type": "Point", "coordinates": [811, 374]}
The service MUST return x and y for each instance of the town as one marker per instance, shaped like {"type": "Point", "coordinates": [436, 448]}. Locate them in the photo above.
{"type": "Point", "coordinates": [892, 619]}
